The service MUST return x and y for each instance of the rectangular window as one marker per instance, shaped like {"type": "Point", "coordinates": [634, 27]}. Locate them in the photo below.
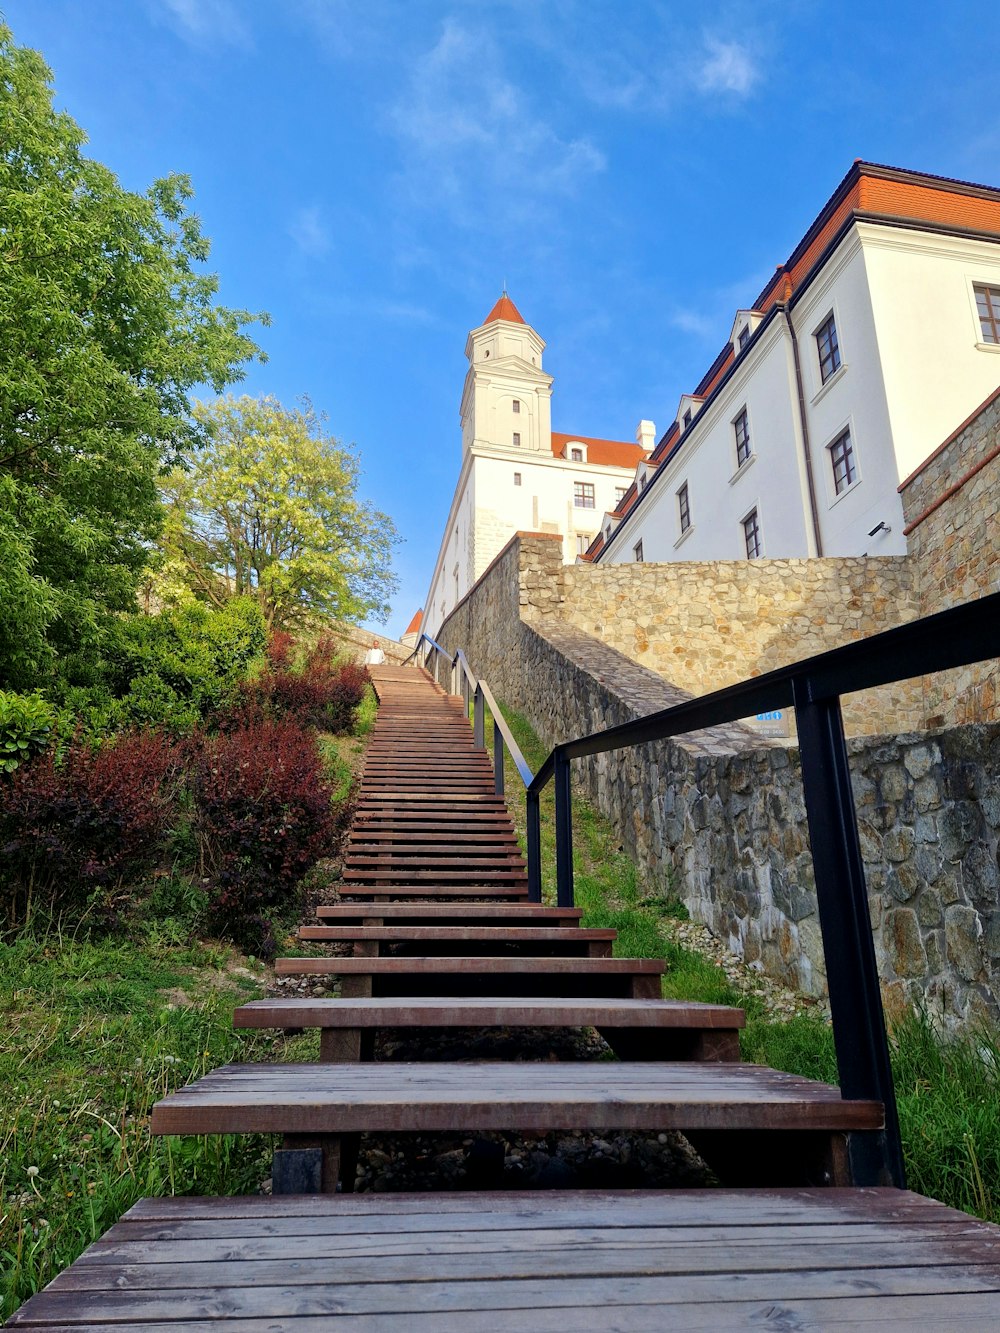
{"type": "Point", "coordinates": [684, 507]}
{"type": "Point", "coordinates": [637, 552]}
{"type": "Point", "coordinates": [751, 535]}
{"type": "Point", "coordinates": [517, 478]}
{"type": "Point", "coordinates": [687, 418]}
{"type": "Point", "coordinates": [829, 349]}
{"type": "Point", "coordinates": [619, 494]}
{"type": "Point", "coordinates": [517, 404]}
{"type": "Point", "coordinates": [583, 494]}
{"type": "Point", "coordinates": [988, 308]}
{"type": "Point", "coordinates": [583, 540]}
{"type": "Point", "coordinates": [517, 438]}
{"type": "Point", "coordinates": [744, 336]}
{"type": "Point", "coordinates": [845, 473]}
{"type": "Point", "coordinates": [642, 483]}
{"type": "Point", "coordinates": [576, 455]}
{"type": "Point", "coordinates": [741, 427]}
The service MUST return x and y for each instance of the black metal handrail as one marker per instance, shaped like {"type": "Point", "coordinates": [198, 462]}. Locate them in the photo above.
{"type": "Point", "coordinates": [957, 637]}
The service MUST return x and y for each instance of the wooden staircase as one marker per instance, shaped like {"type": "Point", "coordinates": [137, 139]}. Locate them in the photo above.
{"type": "Point", "coordinates": [433, 907]}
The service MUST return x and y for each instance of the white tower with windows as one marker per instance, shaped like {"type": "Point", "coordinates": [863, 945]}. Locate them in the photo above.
{"type": "Point", "coordinates": [506, 400]}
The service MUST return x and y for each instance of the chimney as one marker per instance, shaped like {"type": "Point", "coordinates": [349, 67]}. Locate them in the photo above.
{"type": "Point", "coordinates": [645, 436]}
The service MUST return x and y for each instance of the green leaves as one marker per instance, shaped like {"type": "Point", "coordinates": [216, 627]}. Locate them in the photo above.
{"type": "Point", "coordinates": [106, 321]}
{"type": "Point", "coordinates": [26, 722]}
{"type": "Point", "coordinates": [269, 509]}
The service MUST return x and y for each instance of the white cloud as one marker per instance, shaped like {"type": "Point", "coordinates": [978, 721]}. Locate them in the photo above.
{"type": "Point", "coordinates": [309, 232]}
{"type": "Point", "coordinates": [205, 21]}
{"type": "Point", "coordinates": [728, 67]}
{"type": "Point", "coordinates": [476, 139]}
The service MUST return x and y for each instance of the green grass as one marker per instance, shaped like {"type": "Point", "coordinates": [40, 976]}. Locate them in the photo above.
{"type": "Point", "coordinates": [96, 1031]}
{"type": "Point", "coordinates": [947, 1089]}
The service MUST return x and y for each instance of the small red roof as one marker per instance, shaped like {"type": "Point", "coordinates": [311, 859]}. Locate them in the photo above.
{"type": "Point", "coordinates": [610, 453]}
{"type": "Point", "coordinates": [414, 626]}
{"type": "Point", "coordinates": [504, 309]}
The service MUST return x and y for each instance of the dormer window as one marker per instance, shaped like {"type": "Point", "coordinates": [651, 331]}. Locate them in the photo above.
{"type": "Point", "coordinates": [607, 533]}
{"type": "Point", "coordinates": [576, 455]}
{"type": "Point", "coordinates": [642, 483]}
{"type": "Point", "coordinates": [744, 337]}
{"type": "Point", "coordinates": [687, 418]}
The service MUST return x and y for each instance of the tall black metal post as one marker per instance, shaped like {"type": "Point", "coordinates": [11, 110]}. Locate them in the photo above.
{"type": "Point", "coordinates": [479, 719]}
{"type": "Point", "coordinates": [534, 822]}
{"type": "Point", "coordinates": [564, 831]}
{"type": "Point", "coordinates": [852, 974]}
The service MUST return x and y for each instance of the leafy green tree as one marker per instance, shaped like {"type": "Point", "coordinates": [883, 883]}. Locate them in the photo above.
{"type": "Point", "coordinates": [270, 510]}
{"type": "Point", "coordinates": [107, 319]}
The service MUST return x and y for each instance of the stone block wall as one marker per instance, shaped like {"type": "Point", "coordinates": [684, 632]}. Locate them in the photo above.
{"type": "Point", "coordinates": [952, 510]}
{"type": "Point", "coordinates": [718, 816]}
{"type": "Point", "coordinates": [704, 625]}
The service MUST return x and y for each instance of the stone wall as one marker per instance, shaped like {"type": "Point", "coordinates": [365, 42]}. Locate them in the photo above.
{"type": "Point", "coordinates": [952, 510]}
{"type": "Point", "coordinates": [719, 818]}
{"type": "Point", "coordinates": [705, 625]}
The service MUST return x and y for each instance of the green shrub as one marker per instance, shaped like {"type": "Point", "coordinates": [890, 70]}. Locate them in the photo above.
{"type": "Point", "coordinates": [26, 723]}
{"type": "Point", "coordinates": [176, 669]}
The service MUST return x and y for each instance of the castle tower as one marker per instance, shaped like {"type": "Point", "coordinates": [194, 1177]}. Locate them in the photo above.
{"type": "Point", "coordinates": [506, 400]}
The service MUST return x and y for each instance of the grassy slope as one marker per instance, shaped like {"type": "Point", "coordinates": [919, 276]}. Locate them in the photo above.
{"type": "Point", "coordinates": [947, 1091]}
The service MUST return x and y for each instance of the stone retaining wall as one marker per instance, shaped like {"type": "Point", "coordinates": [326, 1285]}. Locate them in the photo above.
{"type": "Point", "coordinates": [952, 509]}
{"type": "Point", "coordinates": [718, 817]}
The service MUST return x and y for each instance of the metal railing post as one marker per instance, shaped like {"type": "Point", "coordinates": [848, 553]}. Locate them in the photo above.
{"type": "Point", "coordinates": [852, 972]}
{"type": "Point", "coordinates": [564, 831]}
{"type": "Point", "coordinates": [534, 822]}
{"type": "Point", "coordinates": [479, 719]}
{"type": "Point", "coordinates": [497, 759]}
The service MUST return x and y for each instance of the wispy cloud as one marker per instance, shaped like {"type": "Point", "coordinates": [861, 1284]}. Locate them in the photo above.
{"type": "Point", "coordinates": [310, 233]}
{"type": "Point", "coordinates": [205, 21]}
{"type": "Point", "coordinates": [475, 139]}
{"type": "Point", "coordinates": [727, 67]}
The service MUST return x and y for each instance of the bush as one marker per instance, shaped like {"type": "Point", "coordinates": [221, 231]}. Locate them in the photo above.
{"type": "Point", "coordinates": [86, 821]}
{"type": "Point", "coordinates": [26, 723]}
{"type": "Point", "coordinates": [263, 816]}
{"type": "Point", "coordinates": [321, 695]}
{"type": "Point", "coordinates": [173, 670]}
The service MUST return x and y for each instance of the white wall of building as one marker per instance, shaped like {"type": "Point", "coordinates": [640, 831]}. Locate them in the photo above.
{"type": "Point", "coordinates": [913, 366]}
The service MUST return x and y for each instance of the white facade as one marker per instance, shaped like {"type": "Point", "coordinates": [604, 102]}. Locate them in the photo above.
{"type": "Point", "coordinates": [913, 363]}
{"type": "Point", "coordinates": [515, 474]}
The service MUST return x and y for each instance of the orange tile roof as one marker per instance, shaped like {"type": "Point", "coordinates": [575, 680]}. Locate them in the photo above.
{"type": "Point", "coordinates": [504, 309]}
{"type": "Point", "coordinates": [414, 626]}
{"type": "Point", "coordinates": [609, 453]}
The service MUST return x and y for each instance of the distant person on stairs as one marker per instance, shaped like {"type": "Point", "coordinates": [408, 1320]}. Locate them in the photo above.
{"type": "Point", "coordinates": [375, 656]}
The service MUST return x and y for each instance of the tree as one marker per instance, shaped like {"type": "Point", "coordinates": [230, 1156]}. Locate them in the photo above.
{"type": "Point", "coordinates": [270, 509]}
{"type": "Point", "coordinates": [107, 319]}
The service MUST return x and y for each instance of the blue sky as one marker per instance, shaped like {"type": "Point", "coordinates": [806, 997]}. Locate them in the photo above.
{"type": "Point", "coordinates": [371, 171]}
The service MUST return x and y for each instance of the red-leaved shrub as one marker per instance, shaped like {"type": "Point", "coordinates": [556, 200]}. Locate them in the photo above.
{"type": "Point", "coordinates": [263, 817]}
{"type": "Point", "coordinates": [318, 696]}
{"type": "Point", "coordinates": [279, 649]}
{"type": "Point", "coordinates": [87, 821]}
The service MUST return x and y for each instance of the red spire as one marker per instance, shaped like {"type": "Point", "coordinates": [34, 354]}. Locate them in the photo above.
{"type": "Point", "coordinates": [504, 309]}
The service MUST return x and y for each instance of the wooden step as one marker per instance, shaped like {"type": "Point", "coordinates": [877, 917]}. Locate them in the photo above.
{"type": "Point", "coordinates": [635, 1029]}
{"type": "Point", "coordinates": [793, 1129]}
{"type": "Point", "coordinates": [633, 978]}
{"type": "Point", "coordinates": [708, 1261]}
{"type": "Point", "coordinates": [449, 913]}
{"type": "Point", "coordinates": [433, 892]}
{"type": "Point", "coordinates": [470, 939]}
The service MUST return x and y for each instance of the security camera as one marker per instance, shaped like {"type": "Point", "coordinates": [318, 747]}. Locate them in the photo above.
{"type": "Point", "coordinates": [880, 527]}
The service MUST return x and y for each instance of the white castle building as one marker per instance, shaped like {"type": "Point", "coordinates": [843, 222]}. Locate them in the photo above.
{"type": "Point", "coordinates": [864, 351]}
{"type": "Point", "coordinates": [517, 474]}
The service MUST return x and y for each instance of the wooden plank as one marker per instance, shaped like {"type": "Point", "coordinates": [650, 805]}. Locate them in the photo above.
{"type": "Point", "coordinates": [332, 1098]}
{"type": "Point", "coordinates": [488, 1011]}
{"type": "Point", "coordinates": [417, 912]}
{"type": "Point", "coordinates": [481, 964]}
{"type": "Point", "coordinates": [497, 934]}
